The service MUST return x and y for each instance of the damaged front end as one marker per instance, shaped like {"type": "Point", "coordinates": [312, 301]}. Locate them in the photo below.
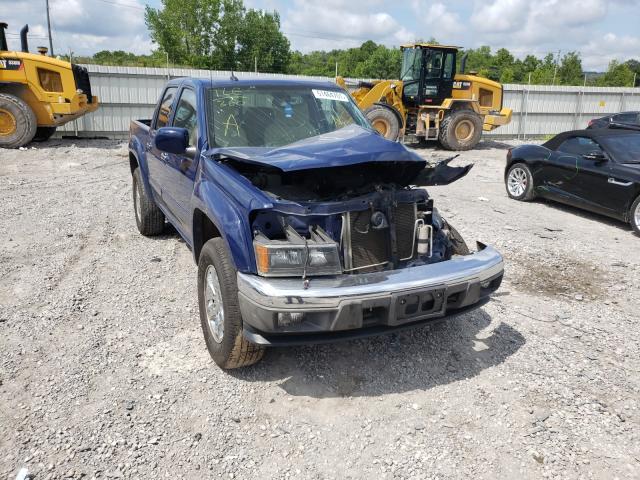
{"type": "Point", "coordinates": [349, 219]}
{"type": "Point", "coordinates": [355, 250]}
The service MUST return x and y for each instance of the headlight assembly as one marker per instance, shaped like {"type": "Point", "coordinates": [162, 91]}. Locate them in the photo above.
{"type": "Point", "coordinates": [297, 256]}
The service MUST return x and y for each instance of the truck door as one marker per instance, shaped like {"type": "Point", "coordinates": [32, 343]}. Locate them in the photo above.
{"type": "Point", "coordinates": [156, 158]}
{"type": "Point", "coordinates": [181, 169]}
{"type": "Point", "coordinates": [439, 70]}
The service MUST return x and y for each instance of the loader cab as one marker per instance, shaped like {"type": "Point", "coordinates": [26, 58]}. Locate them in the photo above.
{"type": "Point", "coordinates": [427, 74]}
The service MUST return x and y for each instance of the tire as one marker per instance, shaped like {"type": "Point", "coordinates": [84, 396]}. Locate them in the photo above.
{"type": "Point", "coordinates": [384, 120]}
{"type": "Point", "coordinates": [519, 183]}
{"type": "Point", "coordinates": [460, 130]}
{"type": "Point", "coordinates": [44, 133]}
{"type": "Point", "coordinates": [149, 218]}
{"type": "Point", "coordinates": [459, 246]}
{"type": "Point", "coordinates": [634, 216]}
{"type": "Point", "coordinates": [218, 290]}
{"type": "Point", "coordinates": [17, 122]}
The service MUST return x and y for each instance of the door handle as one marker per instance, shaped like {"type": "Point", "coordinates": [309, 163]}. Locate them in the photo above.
{"type": "Point", "coordinates": [617, 182]}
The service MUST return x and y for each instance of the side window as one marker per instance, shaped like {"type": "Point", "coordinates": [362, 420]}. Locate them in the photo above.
{"type": "Point", "coordinates": [164, 112]}
{"type": "Point", "coordinates": [187, 116]}
{"type": "Point", "coordinates": [626, 118]}
{"type": "Point", "coordinates": [433, 65]}
{"type": "Point", "coordinates": [448, 66]}
{"type": "Point", "coordinates": [578, 146]}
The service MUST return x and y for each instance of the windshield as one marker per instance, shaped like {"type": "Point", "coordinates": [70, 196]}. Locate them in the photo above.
{"type": "Point", "coordinates": [411, 61]}
{"type": "Point", "coordinates": [268, 116]}
{"type": "Point", "coordinates": [623, 148]}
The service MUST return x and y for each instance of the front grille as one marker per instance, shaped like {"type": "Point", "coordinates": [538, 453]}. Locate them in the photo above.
{"type": "Point", "coordinates": [81, 76]}
{"type": "Point", "coordinates": [370, 249]}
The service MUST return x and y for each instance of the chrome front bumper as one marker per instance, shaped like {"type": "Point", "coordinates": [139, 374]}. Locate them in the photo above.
{"type": "Point", "coordinates": [282, 311]}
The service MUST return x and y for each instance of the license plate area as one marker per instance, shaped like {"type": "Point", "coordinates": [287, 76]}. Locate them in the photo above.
{"type": "Point", "coordinates": [417, 305]}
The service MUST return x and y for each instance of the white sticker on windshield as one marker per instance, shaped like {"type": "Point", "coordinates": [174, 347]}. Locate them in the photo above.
{"type": "Point", "coordinates": [330, 95]}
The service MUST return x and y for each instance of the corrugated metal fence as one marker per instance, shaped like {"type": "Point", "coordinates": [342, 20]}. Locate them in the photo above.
{"type": "Point", "coordinates": [131, 92]}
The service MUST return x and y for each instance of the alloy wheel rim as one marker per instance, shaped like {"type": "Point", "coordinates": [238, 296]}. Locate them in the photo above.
{"type": "Point", "coordinates": [7, 122]}
{"type": "Point", "coordinates": [517, 182]}
{"type": "Point", "coordinates": [214, 309]}
{"type": "Point", "coordinates": [636, 215]}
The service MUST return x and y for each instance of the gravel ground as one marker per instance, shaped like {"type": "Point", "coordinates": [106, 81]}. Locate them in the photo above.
{"type": "Point", "coordinates": [104, 371]}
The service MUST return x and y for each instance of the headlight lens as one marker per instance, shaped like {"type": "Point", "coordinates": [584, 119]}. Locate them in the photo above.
{"type": "Point", "coordinates": [50, 80]}
{"type": "Point", "coordinates": [276, 258]}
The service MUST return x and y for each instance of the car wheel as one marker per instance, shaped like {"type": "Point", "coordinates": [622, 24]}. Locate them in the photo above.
{"type": "Point", "coordinates": [149, 218]}
{"type": "Point", "coordinates": [384, 121]}
{"type": "Point", "coordinates": [634, 215]}
{"type": "Point", "coordinates": [18, 123]}
{"type": "Point", "coordinates": [519, 183]}
{"type": "Point", "coordinates": [219, 309]}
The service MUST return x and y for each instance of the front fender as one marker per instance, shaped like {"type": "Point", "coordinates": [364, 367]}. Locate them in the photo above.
{"type": "Point", "coordinates": [229, 220]}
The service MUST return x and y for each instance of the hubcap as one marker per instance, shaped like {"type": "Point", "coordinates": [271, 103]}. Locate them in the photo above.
{"type": "Point", "coordinates": [464, 130]}
{"type": "Point", "coordinates": [517, 182]}
{"type": "Point", "coordinates": [381, 126]}
{"type": "Point", "coordinates": [136, 193]}
{"type": "Point", "coordinates": [214, 308]}
{"type": "Point", "coordinates": [7, 122]}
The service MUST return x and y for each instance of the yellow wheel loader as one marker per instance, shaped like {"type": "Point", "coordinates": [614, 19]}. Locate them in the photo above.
{"type": "Point", "coordinates": [431, 101]}
{"type": "Point", "coordinates": [38, 93]}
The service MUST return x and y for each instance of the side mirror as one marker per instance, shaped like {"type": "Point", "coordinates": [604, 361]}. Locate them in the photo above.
{"type": "Point", "coordinates": [174, 140]}
{"type": "Point", "coordinates": [596, 156]}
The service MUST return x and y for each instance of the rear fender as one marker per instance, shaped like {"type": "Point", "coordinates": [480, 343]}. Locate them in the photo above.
{"type": "Point", "coordinates": [136, 149]}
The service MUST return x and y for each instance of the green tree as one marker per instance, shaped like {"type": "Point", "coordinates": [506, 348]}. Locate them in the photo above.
{"type": "Point", "coordinates": [570, 69]}
{"type": "Point", "coordinates": [617, 75]}
{"type": "Point", "coordinates": [218, 34]}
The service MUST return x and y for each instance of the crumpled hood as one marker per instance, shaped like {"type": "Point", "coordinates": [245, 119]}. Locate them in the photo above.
{"type": "Point", "coordinates": [348, 146]}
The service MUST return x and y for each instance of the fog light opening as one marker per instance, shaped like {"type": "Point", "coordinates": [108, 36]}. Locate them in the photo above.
{"type": "Point", "coordinates": [286, 319]}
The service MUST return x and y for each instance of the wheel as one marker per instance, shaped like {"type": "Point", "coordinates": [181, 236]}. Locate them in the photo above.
{"type": "Point", "coordinates": [519, 183]}
{"type": "Point", "coordinates": [44, 133]}
{"type": "Point", "coordinates": [459, 246]}
{"type": "Point", "coordinates": [384, 121]}
{"type": "Point", "coordinates": [17, 122]}
{"type": "Point", "coordinates": [634, 216]}
{"type": "Point", "coordinates": [460, 130]}
{"type": "Point", "coordinates": [149, 218]}
{"type": "Point", "coordinates": [219, 310]}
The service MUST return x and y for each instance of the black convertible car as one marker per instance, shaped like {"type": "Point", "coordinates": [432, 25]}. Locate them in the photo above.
{"type": "Point", "coordinates": [598, 170]}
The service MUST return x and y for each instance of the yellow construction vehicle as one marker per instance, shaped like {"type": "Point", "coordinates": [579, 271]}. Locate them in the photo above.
{"type": "Point", "coordinates": [431, 101]}
{"type": "Point", "coordinates": [38, 93]}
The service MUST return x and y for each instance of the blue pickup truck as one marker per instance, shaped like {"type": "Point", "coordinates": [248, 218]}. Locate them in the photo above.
{"type": "Point", "coordinates": [306, 225]}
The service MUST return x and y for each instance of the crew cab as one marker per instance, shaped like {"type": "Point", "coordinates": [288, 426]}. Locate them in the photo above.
{"type": "Point", "coordinates": [307, 226]}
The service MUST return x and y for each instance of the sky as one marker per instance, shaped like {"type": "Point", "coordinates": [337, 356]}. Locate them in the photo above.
{"type": "Point", "coordinates": [600, 30]}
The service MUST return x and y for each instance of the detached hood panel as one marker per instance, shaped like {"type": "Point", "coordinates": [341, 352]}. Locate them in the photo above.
{"type": "Point", "coordinates": [352, 145]}
{"type": "Point", "coordinates": [348, 146]}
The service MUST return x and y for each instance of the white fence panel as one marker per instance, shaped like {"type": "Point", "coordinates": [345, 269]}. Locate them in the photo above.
{"type": "Point", "coordinates": [128, 93]}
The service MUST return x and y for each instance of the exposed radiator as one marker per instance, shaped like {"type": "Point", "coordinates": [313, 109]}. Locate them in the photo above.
{"type": "Point", "coordinates": [366, 249]}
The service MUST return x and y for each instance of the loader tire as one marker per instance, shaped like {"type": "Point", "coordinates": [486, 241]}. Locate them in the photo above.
{"type": "Point", "coordinates": [44, 133]}
{"type": "Point", "coordinates": [220, 311]}
{"type": "Point", "coordinates": [384, 121]}
{"type": "Point", "coordinates": [460, 130]}
{"type": "Point", "coordinates": [149, 218]}
{"type": "Point", "coordinates": [18, 123]}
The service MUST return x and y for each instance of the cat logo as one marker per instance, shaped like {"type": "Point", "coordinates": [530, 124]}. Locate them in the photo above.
{"type": "Point", "coordinates": [10, 64]}
{"type": "Point", "coordinates": [460, 85]}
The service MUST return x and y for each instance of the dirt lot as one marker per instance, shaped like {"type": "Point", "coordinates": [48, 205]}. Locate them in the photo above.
{"type": "Point", "coordinates": [104, 371]}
